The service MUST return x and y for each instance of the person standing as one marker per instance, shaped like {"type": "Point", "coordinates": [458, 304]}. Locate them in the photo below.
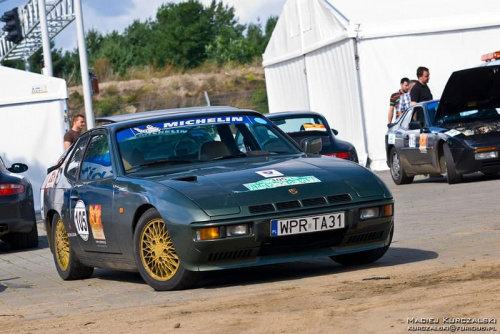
{"type": "Point", "coordinates": [405, 99]}
{"type": "Point", "coordinates": [421, 92]}
{"type": "Point", "coordinates": [75, 131]}
{"type": "Point", "coordinates": [394, 100]}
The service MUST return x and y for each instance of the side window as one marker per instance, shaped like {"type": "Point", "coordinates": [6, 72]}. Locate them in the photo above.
{"type": "Point", "coordinates": [97, 161]}
{"type": "Point", "coordinates": [407, 119]}
{"type": "Point", "coordinates": [76, 158]}
{"type": "Point", "coordinates": [418, 116]}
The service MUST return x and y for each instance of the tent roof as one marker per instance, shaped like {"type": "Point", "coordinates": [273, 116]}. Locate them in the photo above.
{"type": "Point", "coordinates": [324, 22]}
{"type": "Point", "coordinates": [18, 86]}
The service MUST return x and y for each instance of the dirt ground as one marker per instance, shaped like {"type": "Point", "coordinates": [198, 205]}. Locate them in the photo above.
{"type": "Point", "coordinates": [384, 299]}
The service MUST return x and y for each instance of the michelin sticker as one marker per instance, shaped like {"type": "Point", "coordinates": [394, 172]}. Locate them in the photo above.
{"type": "Point", "coordinates": [277, 182]}
{"type": "Point", "coordinates": [452, 133]}
{"type": "Point", "coordinates": [269, 173]}
{"type": "Point", "coordinates": [412, 142]}
{"type": "Point", "coordinates": [81, 221]}
{"type": "Point", "coordinates": [391, 139]}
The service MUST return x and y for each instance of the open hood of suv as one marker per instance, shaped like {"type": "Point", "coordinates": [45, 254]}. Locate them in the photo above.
{"type": "Point", "coordinates": [473, 88]}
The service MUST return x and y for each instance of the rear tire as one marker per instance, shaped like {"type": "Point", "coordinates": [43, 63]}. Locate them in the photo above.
{"type": "Point", "coordinates": [451, 173]}
{"type": "Point", "coordinates": [155, 255]}
{"type": "Point", "coordinates": [397, 172]}
{"type": "Point", "coordinates": [67, 264]}
{"type": "Point", "coordinates": [364, 257]}
{"type": "Point", "coordinates": [19, 240]}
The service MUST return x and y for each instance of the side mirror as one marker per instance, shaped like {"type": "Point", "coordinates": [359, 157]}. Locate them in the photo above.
{"type": "Point", "coordinates": [414, 125]}
{"type": "Point", "coordinates": [335, 132]}
{"type": "Point", "coordinates": [18, 168]}
{"type": "Point", "coordinates": [312, 145]}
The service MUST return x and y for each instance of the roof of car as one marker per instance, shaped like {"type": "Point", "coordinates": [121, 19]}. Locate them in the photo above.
{"type": "Point", "coordinates": [164, 112]}
{"type": "Point", "coordinates": [300, 113]}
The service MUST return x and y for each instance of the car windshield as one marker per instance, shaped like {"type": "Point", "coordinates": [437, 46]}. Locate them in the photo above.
{"type": "Point", "coordinates": [174, 142]}
{"type": "Point", "coordinates": [301, 124]}
{"type": "Point", "coordinates": [472, 115]}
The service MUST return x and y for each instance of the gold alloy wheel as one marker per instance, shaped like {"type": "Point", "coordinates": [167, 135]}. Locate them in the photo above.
{"type": "Point", "coordinates": [157, 251]}
{"type": "Point", "coordinates": [61, 245]}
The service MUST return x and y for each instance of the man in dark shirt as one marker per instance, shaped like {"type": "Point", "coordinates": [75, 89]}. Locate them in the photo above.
{"type": "Point", "coordinates": [421, 92]}
{"type": "Point", "coordinates": [71, 136]}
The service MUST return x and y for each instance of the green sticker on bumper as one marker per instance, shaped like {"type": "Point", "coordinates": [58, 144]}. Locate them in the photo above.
{"type": "Point", "coordinates": [277, 182]}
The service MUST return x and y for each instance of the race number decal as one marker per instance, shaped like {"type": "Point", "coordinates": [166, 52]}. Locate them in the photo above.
{"type": "Point", "coordinates": [391, 138]}
{"type": "Point", "coordinates": [81, 222]}
{"type": "Point", "coordinates": [423, 143]}
{"type": "Point", "coordinates": [412, 142]}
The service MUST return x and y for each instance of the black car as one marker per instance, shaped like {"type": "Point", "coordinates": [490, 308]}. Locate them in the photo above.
{"type": "Point", "coordinates": [17, 211]}
{"type": "Point", "coordinates": [457, 135]}
{"type": "Point", "coordinates": [305, 124]}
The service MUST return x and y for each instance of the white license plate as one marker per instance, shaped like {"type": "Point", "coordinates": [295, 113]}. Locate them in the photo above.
{"type": "Point", "coordinates": [299, 225]}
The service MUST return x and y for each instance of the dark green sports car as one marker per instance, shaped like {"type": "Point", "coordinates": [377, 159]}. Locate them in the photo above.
{"type": "Point", "coordinates": [173, 193]}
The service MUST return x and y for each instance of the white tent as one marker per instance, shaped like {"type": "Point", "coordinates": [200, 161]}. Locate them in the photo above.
{"type": "Point", "coordinates": [33, 120]}
{"type": "Point", "coordinates": [344, 58]}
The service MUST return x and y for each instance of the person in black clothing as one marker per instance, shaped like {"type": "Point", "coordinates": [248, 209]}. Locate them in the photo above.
{"type": "Point", "coordinates": [421, 92]}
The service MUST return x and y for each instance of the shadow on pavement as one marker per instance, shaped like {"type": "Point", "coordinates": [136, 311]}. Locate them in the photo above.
{"type": "Point", "coordinates": [305, 269]}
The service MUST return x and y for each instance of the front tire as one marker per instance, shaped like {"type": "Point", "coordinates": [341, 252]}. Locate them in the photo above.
{"type": "Point", "coordinates": [67, 264]}
{"type": "Point", "coordinates": [397, 172]}
{"type": "Point", "coordinates": [155, 255]}
{"type": "Point", "coordinates": [451, 173]}
{"type": "Point", "coordinates": [363, 257]}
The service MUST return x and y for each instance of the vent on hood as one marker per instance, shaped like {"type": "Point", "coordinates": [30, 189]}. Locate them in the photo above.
{"type": "Point", "coordinates": [316, 201]}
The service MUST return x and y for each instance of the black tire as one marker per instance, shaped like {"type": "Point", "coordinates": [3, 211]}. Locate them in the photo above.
{"type": "Point", "coordinates": [364, 257]}
{"type": "Point", "coordinates": [23, 240]}
{"type": "Point", "coordinates": [160, 265]}
{"type": "Point", "coordinates": [67, 264]}
{"type": "Point", "coordinates": [451, 173]}
{"type": "Point", "coordinates": [398, 174]}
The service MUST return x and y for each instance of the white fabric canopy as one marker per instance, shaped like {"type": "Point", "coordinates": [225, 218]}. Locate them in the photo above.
{"type": "Point", "coordinates": [344, 58]}
{"type": "Point", "coordinates": [32, 122]}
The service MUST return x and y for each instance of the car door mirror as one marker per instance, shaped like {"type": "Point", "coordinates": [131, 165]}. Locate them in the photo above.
{"type": "Point", "coordinates": [18, 168]}
{"type": "Point", "coordinates": [335, 132]}
{"type": "Point", "coordinates": [414, 125]}
{"type": "Point", "coordinates": [312, 145]}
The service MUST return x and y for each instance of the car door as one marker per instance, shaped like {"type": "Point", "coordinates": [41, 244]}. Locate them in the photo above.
{"type": "Point", "coordinates": [92, 198]}
{"type": "Point", "coordinates": [415, 141]}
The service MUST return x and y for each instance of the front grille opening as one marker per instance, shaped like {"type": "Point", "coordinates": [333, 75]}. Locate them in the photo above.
{"type": "Point", "coordinates": [339, 198]}
{"type": "Point", "coordinates": [261, 208]}
{"type": "Point", "coordinates": [288, 205]}
{"type": "Point", "coordinates": [365, 237]}
{"type": "Point", "coordinates": [314, 201]}
{"type": "Point", "coordinates": [229, 255]}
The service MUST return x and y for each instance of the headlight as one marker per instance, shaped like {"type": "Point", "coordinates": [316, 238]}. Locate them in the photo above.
{"type": "Point", "coordinates": [237, 230]}
{"type": "Point", "coordinates": [376, 212]}
{"type": "Point", "coordinates": [221, 232]}
{"type": "Point", "coordinates": [486, 155]}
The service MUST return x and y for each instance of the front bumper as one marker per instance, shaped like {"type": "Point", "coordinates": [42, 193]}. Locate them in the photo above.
{"type": "Point", "coordinates": [260, 248]}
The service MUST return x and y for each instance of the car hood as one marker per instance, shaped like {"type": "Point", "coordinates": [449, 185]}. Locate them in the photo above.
{"type": "Point", "coordinates": [247, 184]}
{"type": "Point", "coordinates": [474, 87]}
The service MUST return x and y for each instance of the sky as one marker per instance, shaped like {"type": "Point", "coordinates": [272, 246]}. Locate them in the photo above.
{"type": "Point", "coordinates": [108, 15]}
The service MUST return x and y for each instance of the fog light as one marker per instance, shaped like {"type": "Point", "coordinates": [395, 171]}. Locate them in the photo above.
{"type": "Point", "coordinates": [237, 230]}
{"type": "Point", "coordinates": [208, 233]}
{"type": "Point", "coordinates": [486, 155]}
{"type": "Point", "coordinates": [369, 213]}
